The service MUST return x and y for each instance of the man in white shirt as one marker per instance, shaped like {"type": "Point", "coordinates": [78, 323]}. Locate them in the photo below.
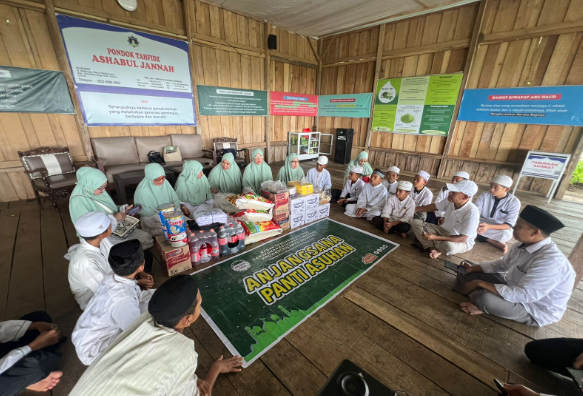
{"type": "Point", "coordinates": [499, 211]}
{"type": "Point", "coordinates": [372, 198]}
{"type": "Point", "coordinates": [531, 284]}
{"type": "Point", "coordinates": [391, 180]}
{"type": "Point", "coordinates": [443, 194]}
{"type": "Point", "coordinates": [459, 229]}
{"type": "Point", "coordinates": [421, 194]}
{"type": "Point", "coordinates": [320, 177]}
{"type": "Point", "coordinates": [353, 187]}
{"type": "Point", "coordinates": [152, 356]}
{"type": "Point", "coordinates": [397, 212]}
{"type": "Point", "coordinates": [88, 264]}
{"type": "Point", "coordinates": [28, 354]}
{"type": "Point", "coordinates": [117, 302]}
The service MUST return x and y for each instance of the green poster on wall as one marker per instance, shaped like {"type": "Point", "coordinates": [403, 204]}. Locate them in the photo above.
{"type": "Point", "coordinates": [254, 299]}
{"type": "Point", "coordinates": [231, 101]}
{"type": "Point", "coordinates": [416, 105]}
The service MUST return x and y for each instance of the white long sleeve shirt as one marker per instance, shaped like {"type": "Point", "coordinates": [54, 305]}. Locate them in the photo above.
{"type": "Point", "coordinates": [320, 180]}
{"type": "Point", "coordinates": [397, 210]}
{"type": "Point", "coordinates": [116, 304]}
{"type": "Point", "coordinates": [391, 187]}
{"type": "Point", "coordinates": [373, 199]}
{"type": "Point", "coordinates": [499, 211]}
{"type": "Point", "coordinates": [88, 266]}
{"type": "Point", "coordinates": [423, 197]}
{"type": "Point", "coordinates": [441, 196]}
{"type": "Point", "coordinates": [352, 188]}
{"type": "Point", "coordinates": [13, 330]}
{"type": "Point", "coordinates": [462, 221]}
{"type": "Point", "coordinates": [146, 359]}
{"type": "Point", "coordinates": [538, 276]}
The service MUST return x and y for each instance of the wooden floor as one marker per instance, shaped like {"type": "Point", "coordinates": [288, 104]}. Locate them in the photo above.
{"type": "Point", "coordinates": [401, 321]}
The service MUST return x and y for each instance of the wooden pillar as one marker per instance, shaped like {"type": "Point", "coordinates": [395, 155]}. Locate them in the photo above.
{"type": "Point", "coordinates": [267, 82]}
{"type": "Point", "coordinates": [575, 156]}
{"type": "Point", "coordinates": [64, 66]}
{"type": "Point", "coordinates": [319, 79]}
{"type": "Point", "coordinates": [576, 259]}
{"type": "Point", "coordinates": [377, 72]}
{"type": "Point", "coordinates": [467, 71]}
{"type": "Point", "coordinates": [189, 21]}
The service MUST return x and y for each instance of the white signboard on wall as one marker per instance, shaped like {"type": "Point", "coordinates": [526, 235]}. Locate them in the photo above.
{"type": "Point", "coordinates": [124, 77]}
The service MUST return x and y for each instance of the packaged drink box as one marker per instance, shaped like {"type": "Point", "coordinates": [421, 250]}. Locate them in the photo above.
{"type": "Point", "coordinates": [279, 199]}
{"type": "Point", "coordinates": [324, 211]}
{"type": "Point", "coordinates": [176, 259]}
{"type": "Point", "coordinates": [312, 201]}
{"type": "Point", "coordinates": [284, 209]}
{"type": "Point", "coordinates": [297, 205]}
{"type": "Point", "coordinates": [282, 220]}
{"type": "Point", "coordinates": [296, 220]}
{"type": "Point", "coordinates": [311, 215]}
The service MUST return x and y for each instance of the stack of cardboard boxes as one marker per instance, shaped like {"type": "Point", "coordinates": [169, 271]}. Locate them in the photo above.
{"type": "Point", "coordinates": [304, 209]}
{"type": "Point", "coordinates": [281, 212]}
{"type": "Point", "coordinates": [176, 259]}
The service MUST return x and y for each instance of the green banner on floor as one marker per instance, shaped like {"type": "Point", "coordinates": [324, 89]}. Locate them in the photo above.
{"type": "Point", "coordinates": [254, 299]}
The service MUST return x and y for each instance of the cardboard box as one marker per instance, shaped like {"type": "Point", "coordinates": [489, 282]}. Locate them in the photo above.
{"type": "Point", "coordinates": [311, 215]}
{"type": "Point", "coordinates": [297, 205]}
{"type": "Point", "coordinates": [312, 201]}
{"type": "Point", "coordinates": [282, 220]}
{"type": "Point", "coordinates": [296, 220]}
{"type": "Point", "coordinates": [175, 259]}
{"type": "Point", "coordinates": [280, 199]}
{"type": "Point", "coordinates": [324, 211]}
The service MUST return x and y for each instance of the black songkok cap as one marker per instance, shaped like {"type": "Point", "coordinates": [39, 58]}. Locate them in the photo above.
{"type": "Point", "coordinates": [541, 219]}
{"type": "Point", "coordinates": [173, 299]}
{"type": "Point", "coordinates": [126, 257]}
{"type": "Point", "coordinates": [379, 172]}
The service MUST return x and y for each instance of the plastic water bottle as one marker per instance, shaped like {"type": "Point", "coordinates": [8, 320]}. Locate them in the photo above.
{"type": "Point", "coordinates": [233, 240]}
{"type": "Point", "coordinates": [215, 250]}
{"type": "Point", "coordinates": [193, 245]}
{"type": "Point", "coordinates": [205, 255]}
{"type": "Point", "coordinates": [224, 249]}
{"type": "Point", "coordinates": [240, 237]}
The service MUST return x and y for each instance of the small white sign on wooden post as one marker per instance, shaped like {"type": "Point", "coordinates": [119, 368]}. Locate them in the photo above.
{"type": "Point", "coordinates": [545, 166]}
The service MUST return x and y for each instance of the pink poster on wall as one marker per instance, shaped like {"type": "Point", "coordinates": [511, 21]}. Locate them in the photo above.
{"type": "Point", "coordinates": [292, 104]}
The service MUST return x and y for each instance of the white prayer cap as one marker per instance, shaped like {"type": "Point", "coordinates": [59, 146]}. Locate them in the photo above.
{"type": "Point", "coordinates": [467, 187]}
{"type": "Point", "coordinates": [405, 186]}
{"type": "Point", "coordinates": [322, 160]}
{"type": "Point", "coordinates": [394, 169]}
{"type": "Point", "coordinates": [356, 169]}
{"type": "Point", "coordinates": [463, 174]}
{"type": "Point", "coordinates": [92, 224]}
{"type": "Point", "coordinates": [503, 180]}
{"type": "Point", "coordinates": [423, 174]}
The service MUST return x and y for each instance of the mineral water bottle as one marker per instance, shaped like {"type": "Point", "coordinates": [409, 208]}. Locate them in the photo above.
{"type": "Point", "coordinates": [224, 249]}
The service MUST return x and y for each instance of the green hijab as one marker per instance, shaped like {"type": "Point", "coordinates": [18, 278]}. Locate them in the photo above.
{"type": "Point", "coordinates": [256, 174]}
{"type": "Point", "coordinates": [287, 173]}
{"type": "Point", "coordinates": [189, 187]}
{"type": "Point", "coordinates": [366, 168]}
{"type": "Point", "coordinates": [226, 180]}
{"type": "Point", "coordinates": [149, 196]}
{"type": "Point", "coordinates": [83, 199]}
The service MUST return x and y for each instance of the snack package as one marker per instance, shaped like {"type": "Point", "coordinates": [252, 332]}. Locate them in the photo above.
{"type": "Point", "coordinates": [274, 186]}
{"type": "Point", "coordinates": [253, 215]}
{"type": "Point", "coordinates": [253, 201]}
{"type": "Point", "coordinates": [261, 230]}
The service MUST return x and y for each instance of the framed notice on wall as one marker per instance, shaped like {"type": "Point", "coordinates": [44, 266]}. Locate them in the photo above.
{"type": "Point", "coordinates": [125, 77]}
{"type": "Point", "coordinates": [292, 104]}
{"type": "Point", "coordinates": [224, 101]}
{"type": "Point", "coordinates": [544, 165]}
{"type": "Point", "coordinates": [416, 105]}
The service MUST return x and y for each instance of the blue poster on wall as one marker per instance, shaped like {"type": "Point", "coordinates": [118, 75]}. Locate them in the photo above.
{"type": "Point", "coordinates": [531, 105]}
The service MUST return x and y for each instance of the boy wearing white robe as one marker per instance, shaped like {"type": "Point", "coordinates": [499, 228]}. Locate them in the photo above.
{"type": "Point", "coordinates": [116, 304]}
{"type": "Point", "coordinates": [397, 212]}
{"type": "Point", "coordinates": [499, 211]}
{"type": "Point", "coordinates": [319, 176]}
{"type": "Point", "coordinates": [391, 180]}
{"type": "Point", "coordinates": [444, 192]}
{"type": "Point", "coordinates": [421, 194]}
{"type": "Point", "coordinates": [88, 265]}
{"type": "Point", "coordinates": [352, 188]}
{"type": "Point", "coordinates": [373, 197]}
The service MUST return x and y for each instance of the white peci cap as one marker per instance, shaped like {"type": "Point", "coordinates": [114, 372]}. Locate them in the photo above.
{"type": "Point", "coordinates": [322, 160]}
{"type": "Point", "coordinates": [463, 174]}
{"type": "Point", "coordinates": [503, 180]}
{"type": "Point", "coordinates": [92, 224]}
{"type": "Point", "coordinates": [394, 169]}
{"type": "Point", "coordinates": [405, 186]}
{"type": "Point", "coordinates": [423, 174]}
{"type": "Point", "coordinates": [467, 187]}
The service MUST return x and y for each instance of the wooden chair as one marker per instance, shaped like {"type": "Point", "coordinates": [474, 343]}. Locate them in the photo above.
{"type": "Point", "coordinates": [50, 171]}
{"type": "Point", "coordinates": [219, 144]}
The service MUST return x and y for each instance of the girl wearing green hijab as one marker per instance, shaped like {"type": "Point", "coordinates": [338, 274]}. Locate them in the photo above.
{"type": "Point", "coordinates": [256, 172]}
{"type": "Point", "coordinates": [291, 170]}
{"type": "Point", "coordinates": [89, 195]}
{"type": "Point", "coordinates": [362, 161]}
{"type": "Point", "coordinates": [192, 186]}
{"type": "Point", "coordinates": [226, 176]}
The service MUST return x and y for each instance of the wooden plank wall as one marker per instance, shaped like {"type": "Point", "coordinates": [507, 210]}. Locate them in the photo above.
{"type": "Point", "coordinates": [228, 50]}
{"type": "Point", "coordinates": [521, 43]}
